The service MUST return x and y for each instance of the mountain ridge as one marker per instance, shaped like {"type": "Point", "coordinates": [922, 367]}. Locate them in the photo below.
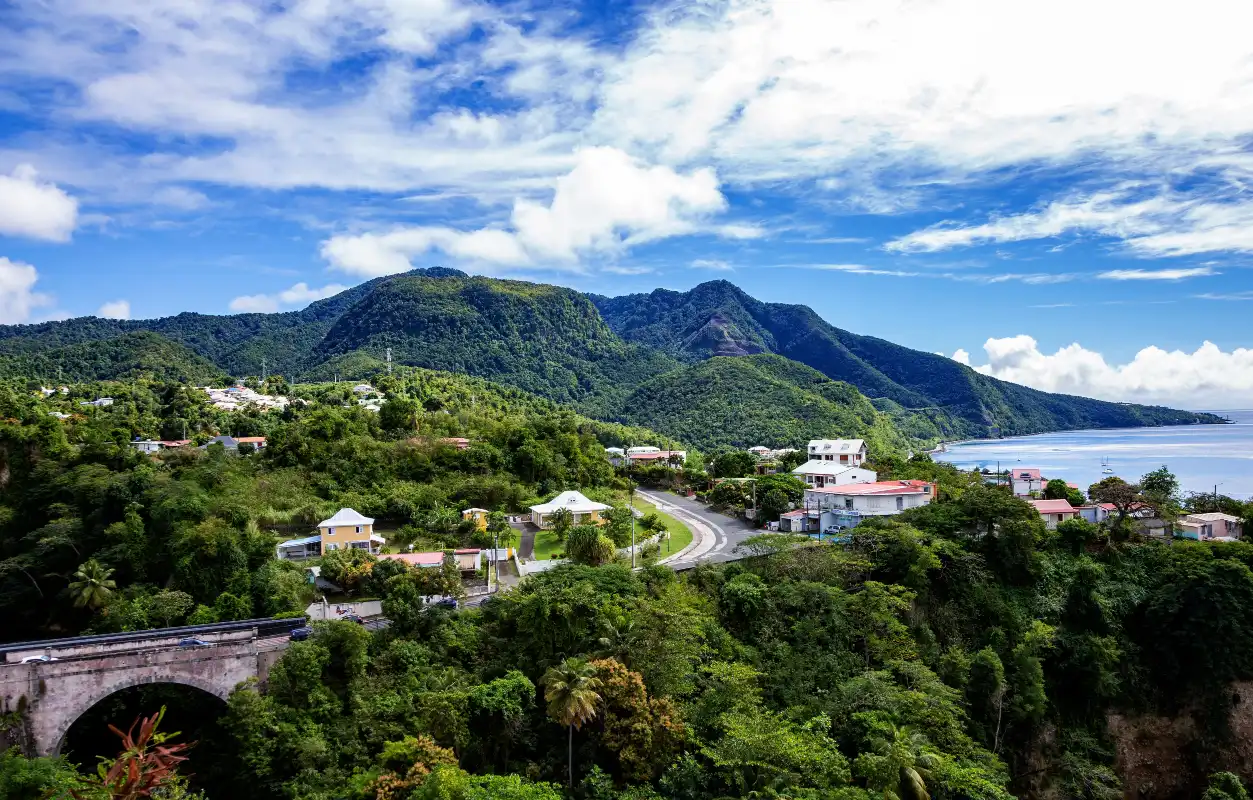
{"type": "Point", "coordinates": [589, 351]}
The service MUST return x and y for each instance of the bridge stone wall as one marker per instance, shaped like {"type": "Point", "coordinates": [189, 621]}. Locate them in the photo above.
{"type": "Point", "coordinates": [52, 695]}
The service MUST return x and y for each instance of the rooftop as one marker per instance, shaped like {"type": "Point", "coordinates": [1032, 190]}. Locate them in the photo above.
{"type": "Point", "coordinates": [878, 488]}
{"type": "Point", "coordinates": [816, 467]}
{"type": "Point", "coordinates": [1053, 506]}
{"type": "Point", "coordinates": [836, 445]}
{"type": "Point", "coordinates": [345, 516]}
{"type": "Point", "coordinates": [574, 501]}
{"type": "Point", "coordinates": [1026, 474]}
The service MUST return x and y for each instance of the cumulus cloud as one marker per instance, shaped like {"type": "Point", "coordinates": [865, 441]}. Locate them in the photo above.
{"type": "Point", "coordinates": [1205, 378]}
{"type": "Point", "coordinates": [35, 209]}
{"type": "Point", "coordinates": [300, 294]}
{"type": "Point", "coordinates": [115, 309]}
{"type": "Point", "coordinates": [607, 203]}
{"type": "Point", "coordinates": [17, 296]}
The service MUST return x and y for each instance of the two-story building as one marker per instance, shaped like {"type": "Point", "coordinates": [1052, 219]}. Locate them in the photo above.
{"type": "Point", "coordinates": [846, 452]}
{"type": "Point", "coordinates": [1025, 482]}
{"type": "Point", "coordinates": [582, 510]}
{"type": "Point", "coordinates": [1054, 512]}
{"type": "Point", "coordinates": [347, 529]}
{"type": "Point", "coordinates": [844, 506]}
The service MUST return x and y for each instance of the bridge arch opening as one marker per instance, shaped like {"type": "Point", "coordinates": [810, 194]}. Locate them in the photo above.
{"type": "Point", "coordinates": [194, 711]}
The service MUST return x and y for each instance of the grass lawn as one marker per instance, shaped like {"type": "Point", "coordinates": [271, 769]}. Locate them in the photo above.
{"type": "Point", "coordinates": [547, 546]}
{"type": "Point", "coordinates": [680, 534]}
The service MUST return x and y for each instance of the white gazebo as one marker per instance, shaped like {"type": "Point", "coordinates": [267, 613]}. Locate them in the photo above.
{"type": "Point", "coordinates": [581, 509]}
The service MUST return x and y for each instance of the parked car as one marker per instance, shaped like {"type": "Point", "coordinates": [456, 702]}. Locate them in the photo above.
{"type": "Point", "coordinates": [300, 634]}
{"type": "Point", "coordinates": [449, 603]}
{"type": "Point", "coordinates": [44, 659]}
{"type": "Point", "coordinates": [353, 618]}
{"type": "Point", "coordinates": [193, 642]}
{"type": "Point", "coordinates": [833, 529]}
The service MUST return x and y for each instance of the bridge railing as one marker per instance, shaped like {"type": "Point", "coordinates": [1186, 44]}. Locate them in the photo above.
{"type": "Point", "coordinates": [264, 627]}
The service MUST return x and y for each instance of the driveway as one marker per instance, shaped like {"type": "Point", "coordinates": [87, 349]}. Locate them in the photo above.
{"type": "Point", "coordinates": [714, 535]}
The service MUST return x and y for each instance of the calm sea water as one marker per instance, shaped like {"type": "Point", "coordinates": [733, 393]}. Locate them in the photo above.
{"type": "Point", "coordinates": [1200, 455]}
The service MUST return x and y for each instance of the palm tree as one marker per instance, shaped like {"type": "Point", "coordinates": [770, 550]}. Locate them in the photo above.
{"type": "Point", "coordinates": [570, 689]}
{"type": "Point", "coordinates": [92, 586]}
{"type": "Point", "coordinates": [561, 519]}
{"type": "Point", "coordinates": [909, 764]}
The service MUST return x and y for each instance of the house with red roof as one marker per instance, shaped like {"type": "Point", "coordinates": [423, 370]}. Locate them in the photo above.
{"type": "Point", "coordinates": [838, 506]}
{"type": "Point", "coordinates": [1054, 512]}
{"type": "Point", "coordinates": [1026, 481]}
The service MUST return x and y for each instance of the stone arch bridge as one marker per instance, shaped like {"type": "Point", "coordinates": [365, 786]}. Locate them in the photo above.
{"type": "Point", "coordinates": [52, 695]}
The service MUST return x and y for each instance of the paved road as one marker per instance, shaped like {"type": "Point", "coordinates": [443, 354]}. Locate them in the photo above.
{"type": "Point", "coordinates": [714, 535]}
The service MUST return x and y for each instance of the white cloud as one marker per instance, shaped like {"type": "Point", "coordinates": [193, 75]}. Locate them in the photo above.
{"type": "Point", "coordinates": [180, 198]}
{"type": "Point", "coordinates": [607, 203]}
{"type": "Point", "coordinates": [616, 269]}
{"type": "Point", "coordinates": [298, 295]}
{"type": "Point", "coordinates": [115, 309]}
{"type": "Point", "coordinates": [1205, 378]}
{"type": "Point", "coordinates": [961, 356]}
{"type": "Point", "coordinates": [17, 298]}
{"type": "Point", "coordinates": [35, 209]}
{"type": "Point", "coordinates": [714, 264]}
{"type": "Point", "coordinates": [1152, 221]}
{"type": "Point", "coordinates": [1156, 274]}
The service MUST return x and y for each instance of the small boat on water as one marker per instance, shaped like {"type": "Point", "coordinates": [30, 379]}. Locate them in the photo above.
{"type": "Point", "coordinates": [1105, 468]}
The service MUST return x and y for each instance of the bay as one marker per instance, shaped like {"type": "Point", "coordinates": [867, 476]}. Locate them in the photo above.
{"type": "Point", "coordinates": [1201, 456]}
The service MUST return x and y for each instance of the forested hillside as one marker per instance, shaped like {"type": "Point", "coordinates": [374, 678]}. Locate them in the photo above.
{"type": "Point", "coordinates": [768, 400]}
{"type": "Point", "coordinates": [554, 342]}
{"type": "Point", "coordinates": [181, 531]}
{"type": "Point", "coordinates": [130, 355]}
{"type": "Point", "coordinates": [717, 318]}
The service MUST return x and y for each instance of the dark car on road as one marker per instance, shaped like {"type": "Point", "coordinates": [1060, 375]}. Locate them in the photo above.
{"type": "Point", "coordinates": [449, 603]}
{"type": "Point", "coordinates": [357, 618]}
{"type": "Point", "coordinates": [193, 642]}
{"type": "Point", "coordinates": [300, 634]}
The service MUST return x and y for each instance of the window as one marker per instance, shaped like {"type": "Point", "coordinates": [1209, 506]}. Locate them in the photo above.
{"type": "Point", "coordinates": [1059, 517]}
{"type": "Point", "coordinates": [331, 546]}
{"type": "Point", "coordinates": [900, 504]}
{"type": "Point", "coordinates": [330, 531]}
{"type": "Point", "coordinates": [358, 529]}
{"type": "Point", "coordinates": [848, 502]}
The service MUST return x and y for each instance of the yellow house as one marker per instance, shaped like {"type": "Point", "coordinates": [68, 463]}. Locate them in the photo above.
{"type": "Point", "coordinates": [479, 515]}
{"type": "Point", "coordinates": [582, 510]}
{"type": "Point", "coordinates": [348, 529]}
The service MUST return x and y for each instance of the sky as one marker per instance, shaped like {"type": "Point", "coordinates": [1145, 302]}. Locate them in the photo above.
{"type": "Point", "coordinates": [1056, 193]}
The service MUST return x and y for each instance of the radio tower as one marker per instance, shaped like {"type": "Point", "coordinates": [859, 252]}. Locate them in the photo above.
{"type": "Point", "coordinates": [389, 361]}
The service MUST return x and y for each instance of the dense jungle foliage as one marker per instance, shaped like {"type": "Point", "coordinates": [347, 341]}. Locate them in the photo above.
{"type": "Point", "coordinates": [960, 650]}
{"type": "Point", "coordinates": [94, 535]}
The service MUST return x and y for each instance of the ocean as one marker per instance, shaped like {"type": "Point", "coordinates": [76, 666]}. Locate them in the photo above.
{"type": "Point", "coordinates": [1201, 456]}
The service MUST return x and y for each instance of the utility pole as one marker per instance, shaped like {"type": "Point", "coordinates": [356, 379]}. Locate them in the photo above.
{"type": "Point", "coordinates": [495, 549]}
{"type": "Point", "coordinates": [631, 502]}
{"type": "Point", "coordinates": [263, 371]}
{"type": "Point", "coordinates": [389, 361]}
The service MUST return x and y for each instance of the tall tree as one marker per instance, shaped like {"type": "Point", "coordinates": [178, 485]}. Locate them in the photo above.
{"type": "Point", "coordinates": [92, 585]}
{"type": "Point", "coordinates": [570, 689]}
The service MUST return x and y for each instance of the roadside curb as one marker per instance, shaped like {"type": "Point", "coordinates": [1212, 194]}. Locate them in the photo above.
{"type": "Point", "coordinates": [700, 528]}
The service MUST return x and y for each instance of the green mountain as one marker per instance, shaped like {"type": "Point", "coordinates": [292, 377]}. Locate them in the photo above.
{"type": "Point", "coordinates": [129, 355]}
{"type": "Point", "coordinates": [765, 399]}
{"type": "Point", "coordinates": [717, 318]}
{"type": "Point", "coordinates": [612, 358]}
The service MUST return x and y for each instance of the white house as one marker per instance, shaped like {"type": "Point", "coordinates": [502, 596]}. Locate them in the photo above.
{"type": "Point", "coordinates": [103, 402]}
{"type": "Point", "coordinates": [631, 451]}
{"type": "Point", "coordinates": [846, 505]}
{"type": "Point", "coordinates": [1209, 526]}
{"type": "Point", "coordinates": [363, 388]}
{"type": "Point", "coordinates": [146, 445]}
{"type": "Point", "coordinates": [849, 452]}
{"type": "Point", "coordinates": [581, 509]}
{"type": "Point", "coordinates": [832, 473]}
{"type": "Point", "coordinates": [1025, 481]}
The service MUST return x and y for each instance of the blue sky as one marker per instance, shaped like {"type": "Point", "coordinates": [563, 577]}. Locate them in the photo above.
{"type": "Point", "coordinates": [1067, 207]}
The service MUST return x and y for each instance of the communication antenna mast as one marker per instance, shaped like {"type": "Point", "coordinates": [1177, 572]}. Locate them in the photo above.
{"type": "Point", "coordinates": [389, 361]}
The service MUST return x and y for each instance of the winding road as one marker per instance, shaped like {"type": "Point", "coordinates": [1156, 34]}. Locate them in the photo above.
{"type": "Point", "coordinates": [714, 535]}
